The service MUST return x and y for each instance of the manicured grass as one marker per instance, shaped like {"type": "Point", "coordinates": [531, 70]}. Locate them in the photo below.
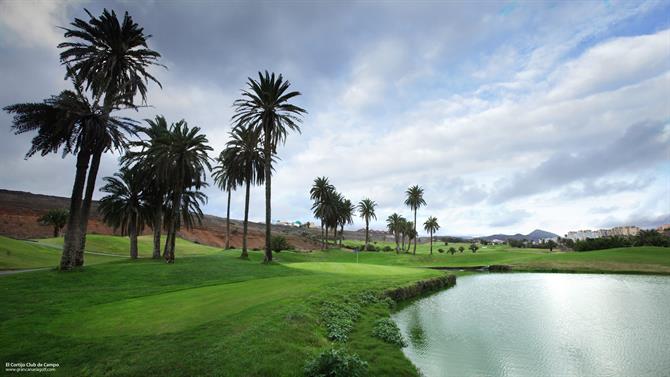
{"type": "Point", "coordinates": [18, 254]}
{"type": "Point", "coordinates": [207, 315]}
{"type": "Point", "coordinates": [216, 314]}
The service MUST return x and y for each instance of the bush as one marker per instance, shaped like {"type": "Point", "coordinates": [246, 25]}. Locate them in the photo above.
{"type": "Point", "coordinates": [279, 243]}
{"type": "Point", "coordinates": [387, 248]}
{"type": "Point", "coordinates": [440, 250]}
{"type": "Point", "coordinates": [335, 363]}
{"type": "Point", "coordinates": [339, 319]}
{"type": "Point", "coordinates": [386, 330]}
{"type": "Point", "coordinates": [371, 247]}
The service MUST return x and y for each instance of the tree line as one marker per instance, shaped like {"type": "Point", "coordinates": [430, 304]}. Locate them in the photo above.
{"type": "Point", "coordinates": [335, 211]}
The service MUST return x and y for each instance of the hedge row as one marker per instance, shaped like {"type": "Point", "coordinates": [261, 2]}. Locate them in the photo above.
{"type": "Point", "coordinates": [421, 287]}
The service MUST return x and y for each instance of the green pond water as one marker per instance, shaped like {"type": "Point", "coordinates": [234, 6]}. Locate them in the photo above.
{"type": "Point", "coordinates": [532, 324]}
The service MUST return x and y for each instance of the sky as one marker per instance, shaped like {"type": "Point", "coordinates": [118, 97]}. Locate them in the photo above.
{"type": "Point", "coordinates": [511, 115]}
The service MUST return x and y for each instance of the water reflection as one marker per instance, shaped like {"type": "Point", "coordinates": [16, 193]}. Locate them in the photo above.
{"type": "Point", "coordinates": [542, 324]}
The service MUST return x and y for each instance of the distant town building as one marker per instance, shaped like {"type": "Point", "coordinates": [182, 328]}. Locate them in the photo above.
{"type": "Point", "coordinates": [580, 235]}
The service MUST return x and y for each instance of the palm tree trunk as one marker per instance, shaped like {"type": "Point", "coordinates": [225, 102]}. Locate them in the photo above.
{"type": "Point", "coordinates": [169, 250]}
{"type": "Point", "coordinates": [157, 227]}
{"type": "Point", "coordinates": [326, 239]}
{"type": "Point", "coordinates": [71, 241]}
{"type": "Point", "coordinates": [132, 233]}
{"type": "Point", "coordinates": [228, 222]}
{"type": "Point", "coordinates": [323, 240]}
{"type": "Point", "coordinates": [86, 205]}
{"type": "Point", "coordinates": [366, 233]}
{"type": "Point", "coordinates": [245, 254]}
{"type": "Point", "coordinates": [416, 234]}
{"type": "Point", "coordinates": [55, 232]}
{"type": "Point", "coordinates": [431, 243]}
{"type": "Point", "coordinates": [397, 243]}
{"type": "Point", "coordinates": [166, 250]}
{"type": "Point", "coordinates": [341, 234]}
{"type": "Point", "coordinates": [268, 191]}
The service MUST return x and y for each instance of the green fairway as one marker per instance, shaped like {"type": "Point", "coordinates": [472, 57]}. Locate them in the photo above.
{"type": "Point", "coordinates": [216, 314]}
{"type": "Point", "coordinates": [201, 316]}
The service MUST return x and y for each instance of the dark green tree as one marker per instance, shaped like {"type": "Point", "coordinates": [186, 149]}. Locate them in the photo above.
{"type": "Point", "coordinates": [265, 106]}
{"type": "Point", "coordinates": [414, 201]}
{"type": "Point", "coordinates": [57, 218]}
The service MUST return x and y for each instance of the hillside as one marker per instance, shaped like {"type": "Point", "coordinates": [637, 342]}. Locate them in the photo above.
{"type": "Point", "coordinates": [535, 235]}
{"type": "Point", "coordinates": [20, 210]}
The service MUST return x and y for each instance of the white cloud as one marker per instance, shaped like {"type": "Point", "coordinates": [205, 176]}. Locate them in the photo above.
{"type": "Point", "coordinates": [34, 23]}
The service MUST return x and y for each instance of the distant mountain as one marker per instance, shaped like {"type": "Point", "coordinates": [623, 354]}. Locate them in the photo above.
{"type": "Point", "coordinates": [535, 235]}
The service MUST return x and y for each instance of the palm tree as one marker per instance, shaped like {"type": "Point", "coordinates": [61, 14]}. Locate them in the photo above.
{"type": "Point", "coordinates": [246, 162]}
{"type": "Point", "coordinates": [431, 226]}
{"type": "Point", "coordinates": [124, 207]}
{"type": "Point", "coordinates": [318, 193]}
{"type": "Point", "coordinates": [414, 201]}
{"type": "Point", "coordinates": [223, 177]}
{"type": "Point", "coordinates": [155, 186]}
{"type": "Point", "coordinates": [410, 232]}
{"type": "Point", "coordinates": [183, 161]}
{"type": "Point", "coordinates": [265, 106]}
{"type": "Point", "coordinates": [111, 59]}
{"type": "Point", "coordinates": [394, 225]}
{"type": "Point", "coordinates": [57, 218]}
{"type": "Point", "coordinates": [366, 209]}
{"type": "Point", "coordinates": [69, 121]}
{"type": "Point", "coordinates": [345, 215]}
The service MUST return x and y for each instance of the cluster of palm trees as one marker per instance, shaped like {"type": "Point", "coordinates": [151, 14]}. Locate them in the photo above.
{"type": "Point", "coordinates": [401, 228]}
{"type": "Point", "coordinates": [108, 62]}
{"type": "Point", "coordinates": [159, 184]}
{"type": "Point", "coordinates": [335, 211]}
{"type": "Point", "coordinates": [331, 208]}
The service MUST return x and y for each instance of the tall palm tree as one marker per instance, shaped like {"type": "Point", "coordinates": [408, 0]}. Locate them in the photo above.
{"type": "Point", "coordinates": [414, 200]}
{"type": "Point", "coordinates": [57, 218]}
{"type": "Point", "coordinates": [431, 226]}
{"type": "Point", "coordinates": [155, 186]}
{"type": "Point", "coordinates": [318, 193]}
{"type": "Point", "coordinates": [247, 158]}
{"type": "Point", "coordinates": [265, 106]}
{"type": "Point", "coordinates": [124, 207]}
{"type": "Point", "coordinates": [183, 161]}
{"type": "Point", "coordinates": [110, 58]}
{"type": "Point", "coordinates": [394, 224]}
{"type": "Point", "coordinates": [366, 209]}
{"type": "Point", "coordinates": [223, 174]}
{"type": "Point", "coordinates": [69, 121]}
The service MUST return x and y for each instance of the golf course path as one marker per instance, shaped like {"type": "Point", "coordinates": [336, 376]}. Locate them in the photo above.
{"type": "Point", "coordinates": [11, 272]}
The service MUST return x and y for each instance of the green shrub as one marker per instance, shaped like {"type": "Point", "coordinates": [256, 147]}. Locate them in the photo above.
{"type": "Point", "coordinates": [335, 363]}
{"type": "Point", "coordinates": [339, 319]}
{"type": "Point", "coordinates": [421, 287]}
{"type": "Point", "coordinates": [279, 243]}
{"type": "Point", "coordinates": [440, 250]}
{"type": "Point", "coordinates": [372, 247]}
{"type": "Point", "coordinates": [386, 330]}
{"type": "Point", "coordinates": [387, 248]}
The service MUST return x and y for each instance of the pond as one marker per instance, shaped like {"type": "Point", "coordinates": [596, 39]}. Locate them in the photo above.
{"type": "Point", "coordinates": [537, 324]}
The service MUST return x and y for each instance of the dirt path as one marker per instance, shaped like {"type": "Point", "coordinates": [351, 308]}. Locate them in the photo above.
{"type": "Point", "coordinates": [12, 272]}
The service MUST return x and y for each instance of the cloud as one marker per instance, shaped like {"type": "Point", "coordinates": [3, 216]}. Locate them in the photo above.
{"type": "Point", "coordinates": [511, 121]}
{"type": "Point", "coordinates": [641, 145]}
{"type": "Point", "coordinates": [33, 23]}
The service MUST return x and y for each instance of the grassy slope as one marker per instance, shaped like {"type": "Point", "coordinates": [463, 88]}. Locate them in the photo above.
{"type": "Point", "coordinates": [121, 245]}
{"type": "Point", "coordinates": [213, 313]}
{"type": "Point", "coordinates": [17, 254]}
